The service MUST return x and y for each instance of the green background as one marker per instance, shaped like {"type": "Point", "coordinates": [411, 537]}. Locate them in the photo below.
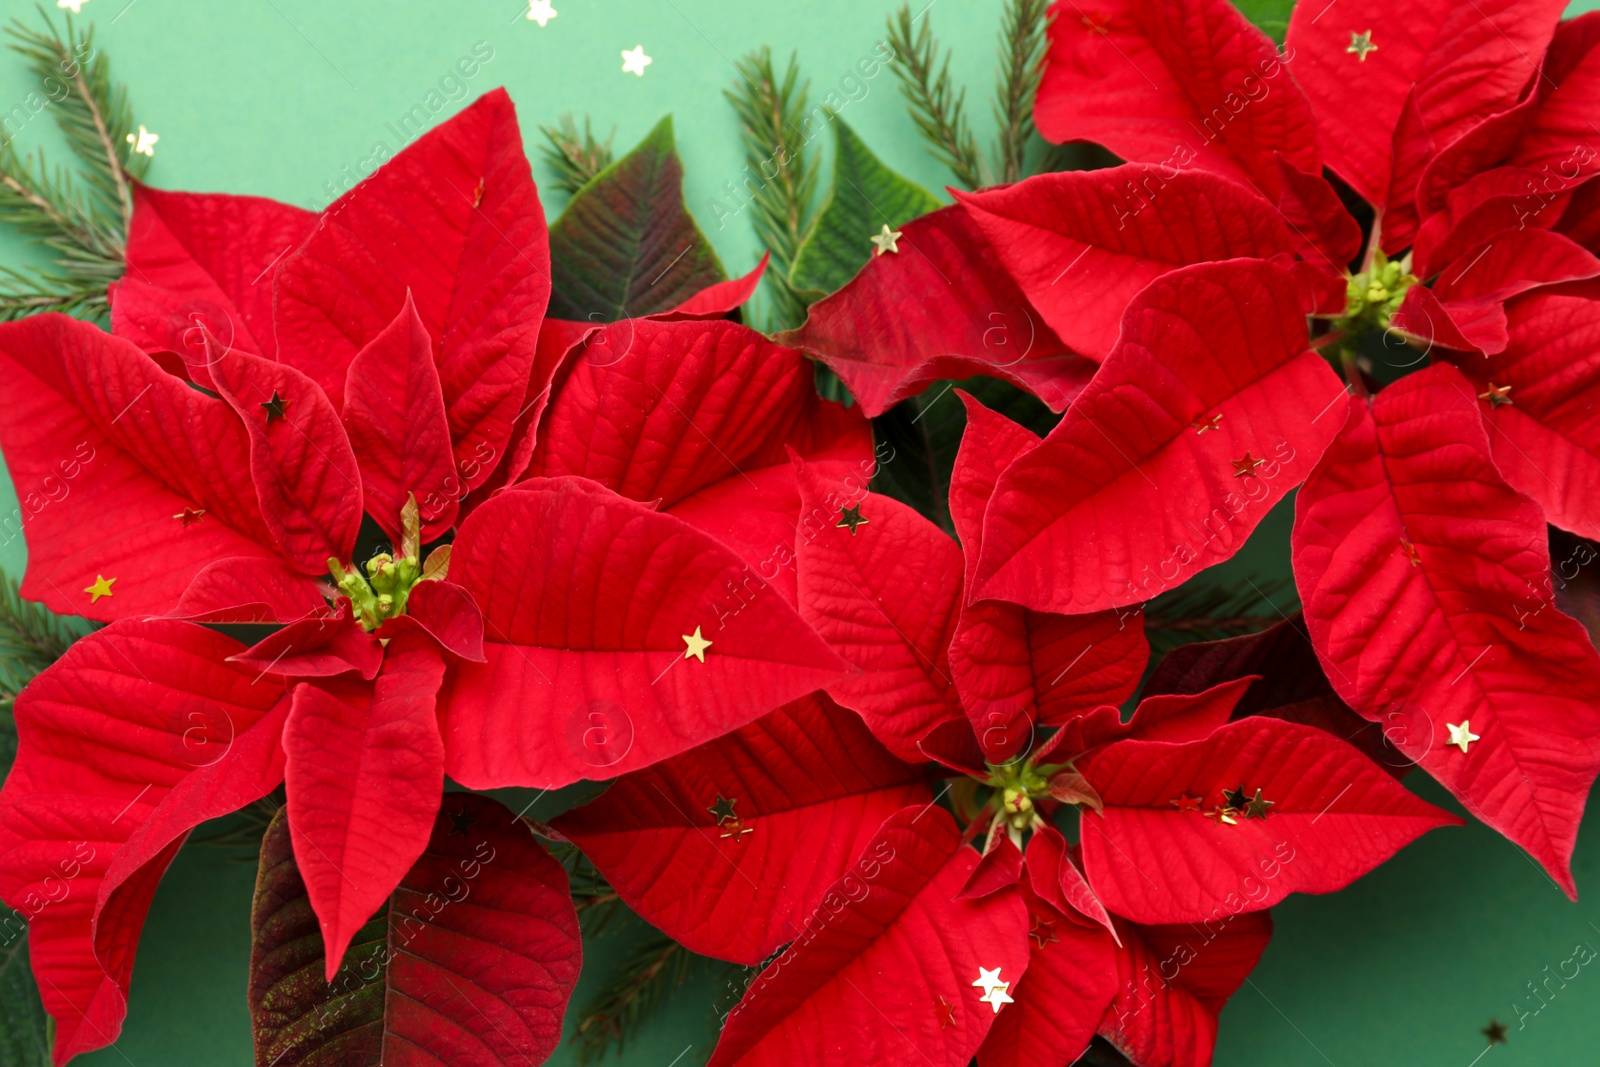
{"type": "Point", "coordinates": [285, 98]}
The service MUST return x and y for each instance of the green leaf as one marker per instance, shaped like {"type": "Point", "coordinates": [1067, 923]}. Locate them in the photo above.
{"type": "Point", "coordinates": [25, 1030]}
{"type": "Point", "coordinates": [1270, 16]}
{"type": "Point", "coordinates": [865, 197]}
{"type": "Point", "coordinates": [626, 245]}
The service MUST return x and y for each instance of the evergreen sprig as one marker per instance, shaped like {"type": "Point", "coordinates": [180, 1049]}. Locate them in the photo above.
{"type": "Point", "coordinates": [923, 69]}
{"type": "Point", "coordinates": [1210, 612]}
{"type": "Point", "coordinates": [79, 214]}
{"type": "Point", "coordinates": [655, 965]}
{"type": "Point", "coordinates": [575, 157]}
{"type": "Point", "coordinates": [772, 119]}
{"type": "Point", "coordinates": [31, 639]}
{"type": "Point", "coordinates": [1022, 46]}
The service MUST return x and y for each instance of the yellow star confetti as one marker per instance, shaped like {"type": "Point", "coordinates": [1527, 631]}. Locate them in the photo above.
{"type": "Point", "coordinates": [144, 142]}
{"type": "Point", "coordinates": [885, 240]}
{"type": "Point", "coordinates": [100, 588]}
{"type": "Point", "coordinates": [697, 645]}
{"type": "Point", "coordinates": [541, 11]}
{"type": "Point", "coordinates": [189, 516]}
{"type": "Point", "coordinates": [634, 61]}
{"type": "Point", "coordinates": [723, 808]}
{"type": "Point", "coordinates": [1200, 426]}
{"type": "Point", "coordinates": [1496, 395]}
{"type": "Point", "coordinates": [1361, 44]}
{"type": "Point", "coordinates": [851, 518]}
{"type": "Point", "coordinates": [1461, 736]}
{"type": "Point", "coordinates": [1246, 467]}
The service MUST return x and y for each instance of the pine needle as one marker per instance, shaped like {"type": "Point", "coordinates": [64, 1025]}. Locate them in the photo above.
{"type": "Point", "coordinates": [79, 214]}
{"type": "Point", "coordinates": [31, 639]}
{"type": "Point", "coordinates": [782, 171]}
{"type": "Point", "coordinates": [575, 158]}
{"type": "Point", "coordinates": [1202, 612]}
{"type": "Point", "coordinates": [935, 105]}
{"type": "Point", "coordinates": [1022, 47]}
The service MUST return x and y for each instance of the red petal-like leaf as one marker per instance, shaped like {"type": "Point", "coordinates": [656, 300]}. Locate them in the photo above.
{"type": "Point", "coordinates": [1334, 816]}
{"type": "Point", "coordinates": [138, 734]}
{"type": "Point", "coordinates": [1172, 983]}
{"type": "Point", "coordinates": [364, 774]}
{"type": "Point", "coordinates": [999, 868]}
{"type": "Point", "coordinates": [327, 643]}
{"type": "Point", "coordinates": [1082, 243]}
{"type": "Point", "coordinates": [472, 963]}
{"type": "Point", "coordinates": [942, 307]}
{"type": "Point", "coordinates": [680, 406]}
{"type": "Point", "coordinates": [1208, 412]}
{"type": "Point", "coordinates": [1465, 61]}
{"type": "Point", "coordinates": [300, 459]}
{"type": "Point", "coordinates": [1546, 441]}
{"type": "Point", "coordinates": [394, 414]}
{"type": "Point", "coordinates": [718, 300]}
{"type": "Point", "coordinates": [122, 471]}
{"type": "Point", "coordinates": [242, 589]}
{"type": "Point", "coordinates": [889, 944]}
{"type": "Point", "coordinates": [455, 220]}
{"type": "Point", "coordinates": [203, 263]}
{"type": "Point", "coordinates": [1176, 82]}
{"type": "Point", "coordinates": [808, 787]}
{"type": "Point", "coordinates": [445, 612]}
{"type": "Point", "coordinates": [1053, 874]}
{"type": "Point", "coordinates": [594, 607]}
{"type": "Point", "coordinates": [1426, 585]}
{"type": "Point", "coordinates": [886, 595]}
{"type": "Point", "coordinates": [1071, 980]}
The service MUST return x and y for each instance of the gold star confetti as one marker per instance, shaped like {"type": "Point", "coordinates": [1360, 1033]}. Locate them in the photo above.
{"type": "Point", "coordinates": [541, 11]}
{"type": "Point", "coordinates": [1461, 736]}
{"type": "Point", "coordinates": [1043, 930]}
{"type": "Point", "coordinates": [1495, 1032]}
{"type": "Point", "coordinates": [1361, 44]}
{"type": "Point", "coordinates": [1246, 467]}
{"type": "Point", "coordinates": [1225, 816]}
{"type": "Point", "coordinates": [1411, 553]}
{"type": "Point", "coordinates": [1257, 808]}
{"type": "Point", "coordinates": [189, 516]}
{"type": "Point", "coordinates": [74, 6]}
{"type": "Point", "coordinates": [998, 996]}
{"type": "Point", "coordinates": [1236, 798]}
{"type": "Point", "coordinates": [697, 645]}
{"type": "Point", "coordinates": [1497, 395]}
{"type": "Point", "coordinates": [723, 808]}
{"type": "Point", "coordinates": [275, 408]}
{"type": "Point", "coordinates": [461, 821]}
{"type": "Point", "coordinates": [144, 142]}
{"type": "Point", "coordinates": [1200, 426]}
{"type": "Point", "coordinates": [1185, 802]}
{"type": "Point", "coordinates": [946, 1013]}
{"type": "Point", "coordinates": [634, 61]}
{"type": "Point", "coordinates": [885, 240]}
{"type": "Point", "coordinates": [100, 588]}
{"type": "Point", "coordinates": [988, 981]}
{"type": "Point", "coordinates": [735, 829]}
{"type": "Point", "coordinates": [851, 518]}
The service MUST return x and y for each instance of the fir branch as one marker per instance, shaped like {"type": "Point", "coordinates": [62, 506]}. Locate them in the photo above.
{"type": "Point", "coordinates": [79, 214]}
{"type": "Point", "coordinates": [31, 639]}
{"type": "Point", "coordinates": [575, 158]}
{"type": "Point", "coordinates": [614, 1016]}
{"type": "Point", "coordinates": [1022, 48]}
{"type": "Point", "coordinates": [1207, 612]}
{"type": "Point", "coordinates": [935, 105]}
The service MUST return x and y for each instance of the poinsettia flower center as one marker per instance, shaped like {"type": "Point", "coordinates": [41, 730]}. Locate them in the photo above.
{"type": "Point", "coordinates": [1017, 786]}
{"type": "Point", "coordinates": [379, 591]}
{"type": "Point", "coordinates": [1373, 296]}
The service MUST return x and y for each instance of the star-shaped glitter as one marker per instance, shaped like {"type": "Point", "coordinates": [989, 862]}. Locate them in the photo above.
{"type": "Point", "coordinates": [1411, 553]}
{"type": "Point", "coordinates": [1461, 736]}
{"type": "Point", "coordinates": [946, 1013]}
{"type": "Point", "coordinates": [735, 829]}
{"type": "Point", "coordinates": [1236, 798]}
{"type": "Point", "coordinates": [144, 142]}
{"type": "Point", "coordinates": [1200, 426]}
{"type": "Point", "coordinates": [74, 6]}
{"type": "Point", "coordinates": [275, 408]}
{"type": "Point", "coordinates": [100, 588]}
{"type": "Point", "coordinates": [1361, 44]}
{"type": "Point", "coordinates": [851, 518]}
{"type": "Point", "coordinates": [723, 808]}
{"type": "Point", "coordinates": [1246, 467]}
{"type": "Point", "coordinates": [998, 996]}
{"type": "Point", "coordinates": [1495, 1032]}
{"type": "Point", "coordinates": [461, 821]}
{"type": "Point", "coordinates": [1225, 816]}
{"type": "Point", "coordinates": [1257, 808]}
{"type": "Point", "coordinates": [885, 240]}
{"type": "Point", "coordinates": [634, 61]}
{"type": "Point", "coordinates": [189, 516]}
{"type": "Point", "coordinates": [989, 981]}
{"type": "Point", "coordinates": [697, 645]}
{"type": "Point", "coordinates": [1185, 802]}
{"type": "Point", "coordinates": [541, 11]}
{"type": "Point", "coordinates": [1043, 930]}
{"type": "Point", "coordinates": [1496, 395]}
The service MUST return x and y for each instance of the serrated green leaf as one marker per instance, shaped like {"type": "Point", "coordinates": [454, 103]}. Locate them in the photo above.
{"type": "Point", "coordinates": [866, 196]}
{"type": "Point", "coordinates": [25, 1032]}
{"type": "Point", "coordinates": [626, 245]}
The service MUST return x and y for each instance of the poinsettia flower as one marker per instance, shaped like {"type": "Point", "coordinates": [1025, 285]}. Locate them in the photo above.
{"type": "Point", "coordinates": [1222, 236]}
